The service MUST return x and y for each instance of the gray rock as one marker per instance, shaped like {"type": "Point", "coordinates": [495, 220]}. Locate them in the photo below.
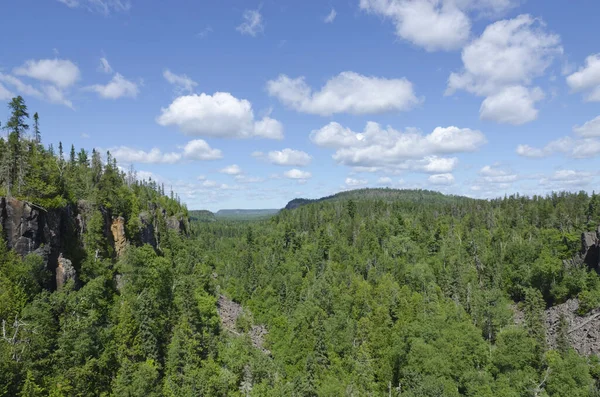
{"type": "Point", "coordinates": [64, 272]}
{"type": "Point", "coordinates": [583, 332]}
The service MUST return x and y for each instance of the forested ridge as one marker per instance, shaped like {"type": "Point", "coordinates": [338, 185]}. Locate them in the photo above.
{"type": "Point", "coordinates": [368, 293]}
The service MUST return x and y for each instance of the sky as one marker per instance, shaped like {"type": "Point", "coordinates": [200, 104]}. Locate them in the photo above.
{"type": "Point", "coordinates": [244, 104]}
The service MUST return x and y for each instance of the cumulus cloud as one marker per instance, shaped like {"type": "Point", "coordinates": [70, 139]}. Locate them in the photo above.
{"type": "Point", "coordinates": [441, 179]}
{"type": "Point", "coordinates": [5, 94]}
{"type": "Point", "coordinates": [379, 147]}
{"type": "Point", "coordinates": [218, 115]}
{"type": "Point", "coordinates": [105, 66]}
{"type": "Point", "coordinates": [199, 149]}
{"type": "Point", "coordinates": [233, 169]}
{"type": "Point", "coordinates": [501, 65]}
{"type": "Point", "coordinates": [495, 174]}
{"type": "Point", "coordinates": [193, 150]}
{"type": "Point", "coordinates": [512, 105]}
{"type": "Point", "coordinates": [352, 182]}
{"type": "Point", "coordinates": [101, 6]}
{"type": "Point", "coordinates": [590, 129]}
{"type": "Point", "coordinates": [584, 144]}
{"type": "Point", "coordinates": [181, 82]}
{"type": "Point", "coordinates": [385, 181]}
{"type": "Point", "coordinates": [127, 155]}
{"type": "Point", "coordinates": [118, 87]}
{"type": "Point", "coordinates": [60, 72]}
{"type": "Point", "coordinates": [431, 24]}
{"type": "Point", "coordinates": [289, 157]}
{"type": "Point", "coordinates": [252, 24]}
{"type": "Point", "coordinates": [20, 86]}
{"type": "Point", "coordinates": [331, 16]}
{"type": "Point", "coordinates": [348, 92]}
{"type": "Point", "coordinates": [567, 179]}
{"type": "Point", "coordinates": [46, 92]}
{"type": "Point", "coordinates": [297, 174]}
{"type": "Point", "coordinates": [587, 79]}
{"type": "Point", "coordinates": [55, 95]}
{"type": "Point", "coordinates": [248, 179]}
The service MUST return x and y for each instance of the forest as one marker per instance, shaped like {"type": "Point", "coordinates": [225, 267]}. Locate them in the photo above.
{"type": "Point", "coordinates": [375, 292]}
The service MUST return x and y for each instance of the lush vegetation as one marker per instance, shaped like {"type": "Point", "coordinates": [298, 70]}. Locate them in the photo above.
{"type": "Point", "coordinates": [368, 293]}
{"type": "Point", "coordinates": [405, 297]}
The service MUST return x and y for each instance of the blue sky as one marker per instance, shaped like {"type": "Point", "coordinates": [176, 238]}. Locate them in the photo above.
{"type": "Point", "coordinates": [240, 104]}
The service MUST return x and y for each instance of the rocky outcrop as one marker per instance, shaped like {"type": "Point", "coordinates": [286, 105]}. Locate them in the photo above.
{"type": "Point", "coordinates": [583, 332]}
{"type": "Point", "coordinates": [117, 229]}
{"type": "Point", "coordinates": [64, 272]}
{"type": "Point", "coordinates": [229, 312]}
{"type": "Point", "coordinates": [23, 225]}
{"type": "Point", "coordinates": [147, 230]}
{"type": "Point", "coordinates": [590, 248]}
{"type": "Point", "coordinates": [28, 228]}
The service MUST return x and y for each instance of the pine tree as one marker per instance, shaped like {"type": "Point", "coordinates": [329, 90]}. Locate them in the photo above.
{"type": "Point", "coordinates": [16, 127]}
{"type": "Point", "coordinates": [36, 128]}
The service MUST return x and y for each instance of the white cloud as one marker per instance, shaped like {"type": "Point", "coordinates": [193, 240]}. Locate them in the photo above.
{"type": "Point", "coordinates": [431, 24]}
{"type": "Point", "coordinates": [253, 23]}
{"type": "Point", "coordinates": [348, 92]}
{"type": "Point", "coordinates": [587, 78]}
{"type": "Point", "coordinates": [378, 147]}
{"type": "Point", "coordinates": [199, 149]}
{"type": "Point", "coordinates": [433, 164]}
{"type": "Point", "coordinates": [105, 66]}
{"type": "Point", "coordinates": [441, 179]}
{"type": "Point", "coordinates": [218, 115]}
{"type": "Point", "coordinates": [297, 174]}
{"type": "Point", "coordinates": [355, 182]}
{"type": "Point", "coordinates": [129, 155]}
{"type": "Point", "coordinates": [502, 63]}
{"type": "Point", "coordinates": [48, 93]}
{"type": "Point", "coordinates": [289, 157]}
{"type": "Point", "coordinates": [384, 180]}
{"type": "Point", "coordinates": [574, 148]}
{"type": "Point", "coordinates": [21, 87]}
{"type": "Point", "coordinates": [495, 174]}
{"type": "Point", "coordinates": [512, 105]}
{"type": "Point", "coordinates": [55, 95]}
{"type": "Point", "coordinates": [205, 32]}
{"type": "Point", "coordinates": [567, 179]}
{"type": "Point", "coordinates": [118, 87]}
{"type": "Point", "coordinates": [182, 82]}
{"type": "Point", "coordinates": [248, 179]}
{"type": "Point", "coordinates": [331, 16]}
{"type": "Point", "coordinates": [268, 128]}
{"type": "Point", "coordinates": [5, 94]}
{"type": "Point", "coordinates": [60, 72]}
{"type": "Point", "coordinates": [233, 169]}
{"type": "Point", "coordinates": [102, 6]}
{"type": "Point", "coordinates": [589, 129]}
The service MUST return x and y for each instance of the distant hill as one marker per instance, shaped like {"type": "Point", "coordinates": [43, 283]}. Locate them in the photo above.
{"type": "Point", "coordinates": [202, 216]}
{"type": "Point", "coordinates": [241, 214]}
{"type": "Point", "coordinates": [384, 194]}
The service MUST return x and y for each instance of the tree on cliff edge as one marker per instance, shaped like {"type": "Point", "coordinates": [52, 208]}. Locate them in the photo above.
{"type": "Point", "coordinates": [13, 166]}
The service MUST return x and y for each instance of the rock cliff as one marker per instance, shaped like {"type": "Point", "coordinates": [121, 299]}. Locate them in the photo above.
{"type": "Point", "coordinates": [57, 234]}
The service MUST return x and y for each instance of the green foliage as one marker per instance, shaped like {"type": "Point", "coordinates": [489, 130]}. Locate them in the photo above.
{"type": "Point", "coordinates": [366, 293]}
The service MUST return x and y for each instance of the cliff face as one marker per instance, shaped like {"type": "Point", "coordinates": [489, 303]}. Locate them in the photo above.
{"type": "Point", "coordinates": [57, 234]}
{"type": "Point", "coordinates": [27, 229]}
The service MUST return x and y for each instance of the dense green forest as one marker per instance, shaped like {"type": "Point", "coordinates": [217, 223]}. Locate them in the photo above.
{"type": "Point", "coordinates": [368, 293]}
